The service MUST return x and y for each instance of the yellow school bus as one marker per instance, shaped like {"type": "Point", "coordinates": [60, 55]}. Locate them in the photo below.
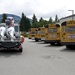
{"type": "Point", "coordinates": [43, 32]}
{"type": "Point", "coordinates": [40, 35]}
{"type": "Point", "coordinates": [68, 33]}
{"type": "Point", "coordinates": [33, 33]}
{"type": "Point", "coordinates": [29, 33]}
{"type": "Point", "coordinates": [53, 35]}
{"type": "Point", "coordinates": [37, 35]}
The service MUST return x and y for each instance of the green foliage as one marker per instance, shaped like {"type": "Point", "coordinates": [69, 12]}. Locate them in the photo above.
{"type": "Point", "coordinates": [4, 16]}
{"type": "Point", "coordinates": [41, 19]}
{"type": "Point", "coordinates": [27, 24]}
{"type": "Point", "coordinates": [24, 23]}
{"type": "Point", "coordinates": [42, 22]}
{"type": "Point", "coordinates": [50, 20]}
{"type": "Point", "coordinates": [56, 19]}
{"type": "Point", "coordinates": [24, 34]}
{"type": "Point", "coordinates": [34, 21]}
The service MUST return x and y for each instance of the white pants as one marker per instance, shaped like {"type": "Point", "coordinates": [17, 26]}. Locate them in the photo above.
{"type": "Point", "coordinates": [11, 32]}
{"type": "Point", "coordinates": [2, 32]}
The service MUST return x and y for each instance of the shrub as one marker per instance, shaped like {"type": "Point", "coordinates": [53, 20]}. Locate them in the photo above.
{"type": "Point", "coordinates": [24, 34]}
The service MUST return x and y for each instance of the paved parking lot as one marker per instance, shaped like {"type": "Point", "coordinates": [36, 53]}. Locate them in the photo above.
{"type": "Point", "coordinates": [38, 58]}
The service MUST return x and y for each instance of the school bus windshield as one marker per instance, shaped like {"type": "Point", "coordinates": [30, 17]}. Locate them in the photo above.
{"type": "Point", "coordinates": [42, 32]}
{"type": "Point", "coordinates": [52, 30]}
{"type": "Point", "coordinates": [33, 32]}
{"type": "Point", "coordinates": [70, 29]}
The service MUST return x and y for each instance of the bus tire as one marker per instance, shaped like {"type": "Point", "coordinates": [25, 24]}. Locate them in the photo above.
{"type": "Point", "coordinates": [52, 43]}
{"type": "Point", "coordinates": [59, 44]}
{"type": "Point", "coordinates": [68, 46]}
{"type": "Point", "coordinates": [36, 40]}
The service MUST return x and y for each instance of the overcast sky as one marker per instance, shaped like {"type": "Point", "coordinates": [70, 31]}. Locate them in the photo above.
{"type": "Point", "coordinates": [41, 8]}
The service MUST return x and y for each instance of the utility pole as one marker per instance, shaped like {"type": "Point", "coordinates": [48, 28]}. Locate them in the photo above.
{"type": "Point", "coordinates": [72, 14]}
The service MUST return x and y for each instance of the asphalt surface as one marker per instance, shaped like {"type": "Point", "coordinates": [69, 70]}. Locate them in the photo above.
{"type": "Point", "coordinates": [38, 58]}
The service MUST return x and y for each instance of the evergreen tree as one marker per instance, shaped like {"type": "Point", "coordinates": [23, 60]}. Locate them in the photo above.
{"type": "Point", "coordinates": [27, 24]}
{"type": "Point", "coordinates": [34, 21]}
{"type": "Point", "coordinates": [45, 22]}
{"type": "Point", "coordinates": [41, 19]}
{"type": "Point", "coordinates": [4, 16]}
{"type": "Point", "coordinates": [56, 19]}
{"type": "Point", "coordinates": [41, 22]}
{"type": "Point", "coordinates": [24, 23]}
{"type": "Point", "coordinates": [50, 21]}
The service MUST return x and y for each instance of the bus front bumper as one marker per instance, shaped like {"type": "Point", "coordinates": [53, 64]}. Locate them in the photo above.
{"type": "Point", "coordinates": [54, 41]}
{"type": "Point", "coordinates": [68, 43]}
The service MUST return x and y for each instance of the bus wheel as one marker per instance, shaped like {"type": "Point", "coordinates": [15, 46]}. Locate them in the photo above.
{"type": "Point", "coordinates": [59, 44]}
{"type": "Point", "coordinates": [36, 40]}
{"type": "Point", "coordinates": [68, 46]}
{"type": "Point", "coordinates": [52, 43]}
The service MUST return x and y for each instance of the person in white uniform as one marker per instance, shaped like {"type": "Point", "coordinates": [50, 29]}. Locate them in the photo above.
{"type": "Point", "coordinates": [10, 28]}
{"type": "Point", "coordinates": [2, 32]}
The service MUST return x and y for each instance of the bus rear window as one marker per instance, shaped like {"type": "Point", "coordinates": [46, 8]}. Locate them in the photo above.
{"type": "Point", "coordinates": [70, 29]}
{"type": "Point", "coordinates": [33, 32]}
{"type": "Point", "coordinates": [42, 32]}
{"type": "Point", "coordinates": [52, 30]}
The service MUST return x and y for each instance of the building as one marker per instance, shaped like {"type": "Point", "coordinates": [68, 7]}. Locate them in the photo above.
{"type": "Point", "coordinates": [71, 17]}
